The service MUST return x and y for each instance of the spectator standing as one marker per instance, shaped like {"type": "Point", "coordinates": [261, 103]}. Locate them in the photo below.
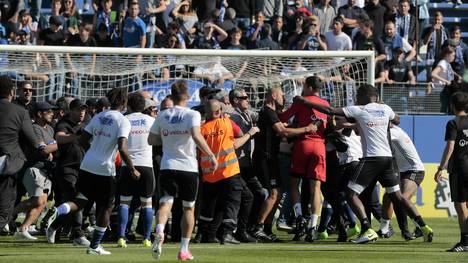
{"type": "Point", "coordinates": [325, 12]}
{"type": "Point", "coordinates": [434, 36]}
{"type": "Point", "coordinates": [15, 120]}
{"type": "Point", "coordinates": [405, 23]}
{"type": "Point", "coordinates": [392, 41]}
{"type": "Point", "coordinates": [185, 15]}
{"type": "Point", "coordinates": [443, 74]}
{"type": "Point", "coordinates": [25, 96]}
{"type": "Point", "coordinates": [72, 18]}
{"type": "Point", "coordinates": [266, 42]}
{"type": "Point", "coordinates": [271, 9]}
{"type": "Point", "coordinates": [351, 13]}
{"type": "Point", "coordinates": [280, 35]}
{"type": "Point", "coordinates": [55, 10]}
{"type": "Point", "coordinates": [376, 13]}
{"type": "Point", "coordinates": [461, 51]}
{"type": "Point", "coordinates": [134, 29]}
{"type": "Point", "coordinates": [336, 39]}
{"type": "Point", "coordinates": [245, 10]}
{"type": "Point", "coordinates": [104, 15]}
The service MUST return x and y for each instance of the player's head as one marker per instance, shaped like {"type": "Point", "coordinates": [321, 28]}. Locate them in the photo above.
{"type": "Point", "coordinates": [117, 98]}
{"type": "Point", "coordinates": [459, 101]}
{"type": "Point", "coordinates": [312, 85]}
{"type": "Point", "coordinates": [136, 102]}
{"type": "Point", "coordinates": [275, 95]}
{"type": "Point", "coordinates": [239, 99]}
{"type": "Point", "coordinates": [213, 109]}
{"type": "Point", "coordinates": [7, 89]}
{"type": "Point", "coordinates": [179, 92]}
{"type": "Point", "coordinates": [366, 94]}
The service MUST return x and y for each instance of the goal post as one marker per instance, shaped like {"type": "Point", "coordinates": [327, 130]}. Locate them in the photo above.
{"type": "Point", "coordinates": [87, 72]}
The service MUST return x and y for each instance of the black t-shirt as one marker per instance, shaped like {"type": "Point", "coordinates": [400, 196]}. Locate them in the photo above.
{"type": "Point", "coordinates": [267, 141]}
{"type": "Point", "coordinates": [457, 130]}
{"type": "Point", "coordinates": [398, 71]}
{"type": "Point", "coordinates": [361, 42]}
{"type": "Point", "coordinates": [107, 42]}
{"type": "Point", "coordinates": [52, 38]}
{"type": "Point", "coordinates": [76, 41]}
{"type": "Point", "coordinates": [70, 154]}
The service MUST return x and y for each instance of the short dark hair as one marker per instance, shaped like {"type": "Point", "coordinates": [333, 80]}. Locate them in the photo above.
{"type": "Point", "coordinates": [314, 82]}
{"type": "Point", "coordinates": [338, 19]}
{"type": "Point", "coordinates": [459, 101]}
{"type": "Point", "coordinates": [62, 104]}
{"type": "Point", "coordinates": [117, 97]}
{"type": "Point", "coordinates": [6, 86]}
{"type": "Point", "coordinates": [23, 83]}
{"type": "Point", "coordinates": [367, 90]}
{"type": "Point", "coordinates": [178, 90]}
{"type": "Point", "coordinates": [136, 102]}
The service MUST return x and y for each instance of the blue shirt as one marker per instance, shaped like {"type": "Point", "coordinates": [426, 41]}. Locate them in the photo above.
{"type": "Point", "coordinates": [133, 30]}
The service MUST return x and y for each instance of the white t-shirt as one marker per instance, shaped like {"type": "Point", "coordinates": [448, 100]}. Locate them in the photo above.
{"type": "Point", "coordinates": [372, 120]}
{"type": "Point", "coordinates": [354, 151]}
{"type": "Point", "coordinates": [140, 151]}
{"type": "Point", "coordinates": [405, 153]}
{"type": "Point", "coordinates": [339, 42]}
{"type": "Point", "coordinates": [179, 148]}
{"type": "Point", "coordinates": [106, 127]}
{"type": "Point", "coordinates": [446, 72]}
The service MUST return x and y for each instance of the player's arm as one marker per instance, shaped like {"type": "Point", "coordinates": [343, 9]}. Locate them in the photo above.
{"type": "Point", "coordinates": [123, 150]}
{"type": "Point", "coordinates": [322, 108]}
{"type": "Point", "coordinates": [203, 146]}
{"type": "Point", "coordinates": [84, 140]}
{"type": "Point", "coordinates": [284, 131]}
{"type": "Point", "coordinates": [154, 139]}
{"type": "Point", "coordinates": [448, 151]}
{"type": "Point", "coordinates": [240, 141]}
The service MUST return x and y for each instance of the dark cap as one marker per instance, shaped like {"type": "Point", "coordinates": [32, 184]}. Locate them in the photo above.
{"type": "Point", "coordinates": [91, 102]}
{"type": "Point", "coordinates": [206, 91]}
{"type": "Point", "coordinates": [43, 106]}
{"type": "Point", "coordinates": [77, 103]}
{"type": "Point", "coordinates": [103, 102]}
{"type": "Point", "coordinates": [55, 20]}
{"type": "Point", "coordinates": [21, 33]}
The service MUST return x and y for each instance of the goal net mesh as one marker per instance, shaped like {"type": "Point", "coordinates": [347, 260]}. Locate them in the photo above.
{"type": "Point", "coordinates": [91, 75]}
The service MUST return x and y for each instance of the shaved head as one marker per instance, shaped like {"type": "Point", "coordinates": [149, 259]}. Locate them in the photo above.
{"type": "Point", "coordinates": [213, 109]}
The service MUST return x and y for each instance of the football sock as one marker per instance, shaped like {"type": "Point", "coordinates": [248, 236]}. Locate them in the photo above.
{"type": "Point", "coordinates": [384, 225]}
{"type": "Point", "coordinates": [184, 243]}
{"type": "Point", "coordinates": [97, 236]}
{"type": "Point", "coordinates": [297, 209]}
{"type": "Point", "coordinates": [123, 219]}
{"type": "Point", "coordinates": [148, 221]}
{"type": "Point", "coordinates": [364, 225]}
{"type": "Point", "coordinates": [63, 209]}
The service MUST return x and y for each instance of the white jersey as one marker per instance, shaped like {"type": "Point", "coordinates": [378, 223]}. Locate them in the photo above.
{"type": "Point", "coordinates": [372, 120]}
{"type": "Point", "coordinates": [139, 150]}
{"type": "Point", "coordinates": [106, 127]}
{"type": "Point", "coordinates": [405, 153]}
{"type": "Point", "coordinates": [354, 151]}
{"type": "Point", "coordinates": [179, 148]}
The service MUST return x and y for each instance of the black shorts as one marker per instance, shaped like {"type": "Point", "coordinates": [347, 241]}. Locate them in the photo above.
{"type": "Point", "coordinates": [179, 184]}
{"type": "Point", "coordinates": [268, 172]}
{"type": "Point", "coordinates": [416, 176]}
{"type": "Point", "coordinates": [144, 187]}
{"type": "Point", "coordinates": [97, 188]}
{"type": "Point", "coordinates": [65, 184]}
{"type": "Point", "coordinates": [373, 169]}
{"type": "Point", "coordinates": [459, 187]}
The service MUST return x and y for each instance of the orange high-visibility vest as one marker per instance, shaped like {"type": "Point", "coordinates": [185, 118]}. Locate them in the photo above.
{"type": "Point", "coordinates": [219, 136]}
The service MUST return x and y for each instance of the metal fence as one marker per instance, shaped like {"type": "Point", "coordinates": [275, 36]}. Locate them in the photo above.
{"type": "Point", "coordinates": [406, 98]}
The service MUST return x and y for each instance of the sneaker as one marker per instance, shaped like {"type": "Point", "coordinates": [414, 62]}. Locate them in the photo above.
{"type": "Point", "coordinates": [244, 237]}
{"type": "Point", "coordinates": [282, 226]}
{"type": "Point", "coordinates": [352, 231]}
{"type": "Point", "coordinates": [53, 216]}
{"type": "Point", "coordinates": [184, 256]}
{"type": "Point", "coordinates": [229, 239]}
{"type": "Point", "coordinates": [50, 235]}
{"type": "Point", "coordinates": [81, 241]}
{"type": "Point", "coordinates": [146, 243]}
{"type": "Point", "coordinates": [418, 233]}
{"type": "Point", "coordinates": [97, 251]}
{"type": "Point", "coordinates": [311, 235]}
{"type": "Point", "coordinates": [408, 236]}
{"type": "Point", "coordinates": [33, 230]}
{"type": "Point", "coordinates": [24, 235]}
{"type": "Point", "coordinates": [157, 246]}
{"type": "Point", "coordinates": [300, 231]}
{"type": "Point", "coordinates": [259, 234]}
{"type": "Point", "coordinates": [322, 235]}
{"type": "Point", "coordinates": [387, 234]}
{"type": "Point", "coordinates": [459, 247]}
{"type": "Point", "coordinates": [122, 243]}
{"type": "Point", "coordinates": [428, 233]}
{"type": "Point", "coordinates": [366, 237]}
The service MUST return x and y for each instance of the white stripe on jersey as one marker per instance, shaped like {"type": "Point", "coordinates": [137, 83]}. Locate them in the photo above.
{"type": "Point", "coordinates": [405, 152]}
{"type": "Point", "coordinates": [354, 151]}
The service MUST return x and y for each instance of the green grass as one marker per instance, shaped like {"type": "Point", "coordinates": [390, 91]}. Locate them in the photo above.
{"type": "Point", "coordinates": [394, 249]}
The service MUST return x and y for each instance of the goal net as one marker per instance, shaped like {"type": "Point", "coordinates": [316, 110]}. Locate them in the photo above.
{"type": "Point", "coordinates": [90, 72]}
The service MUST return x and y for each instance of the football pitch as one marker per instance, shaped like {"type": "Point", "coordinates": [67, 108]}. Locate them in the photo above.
{"type": "Point", "coordinates": [394, 249]}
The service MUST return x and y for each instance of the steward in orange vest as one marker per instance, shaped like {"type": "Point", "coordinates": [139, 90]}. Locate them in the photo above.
{"type": "Point", "coordinates": [222, 188]}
